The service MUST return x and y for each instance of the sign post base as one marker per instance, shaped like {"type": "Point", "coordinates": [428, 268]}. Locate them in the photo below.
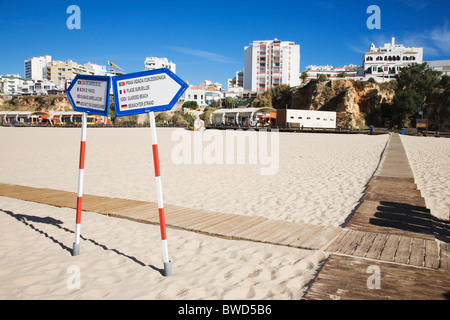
{"type": "Point", "coordinates": [168, 269]}
{"type": "Point", "coordinates": [76, 249]}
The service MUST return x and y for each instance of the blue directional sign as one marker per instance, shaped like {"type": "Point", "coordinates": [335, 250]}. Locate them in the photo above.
{"type": "Point", "coordinates": [90, 94]}
{"type": "Point", "coordinates": [146, 91]}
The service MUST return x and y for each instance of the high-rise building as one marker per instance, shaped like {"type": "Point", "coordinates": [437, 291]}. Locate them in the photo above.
{"type": "Point", "coordinates": [387, 61]}
{"type": "Point", "coordinates": [36, 67]}
{"type": "Point", "coordinates": [269, 63]}
{"type": "Point", "coordinates": [157, 63]}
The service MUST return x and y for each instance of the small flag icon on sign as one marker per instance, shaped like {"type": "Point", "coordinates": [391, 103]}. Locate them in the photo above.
{"type": "Point", "coordinates": [124, 106]}
{"type": "Point", "coordinates": [121, 84]}
{"type": "Point", "coordinates": [78, 102]}
{"type": "Point", "coordinates": [79, 82]}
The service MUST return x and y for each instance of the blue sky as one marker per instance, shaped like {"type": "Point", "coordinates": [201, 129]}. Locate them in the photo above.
{"type": "Point", "coordinates": [206, 39]}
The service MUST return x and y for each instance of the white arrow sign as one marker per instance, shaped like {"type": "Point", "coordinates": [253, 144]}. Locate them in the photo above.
{"type": "Point", "coordinates": [90, 94]}
{"type": "Point", "coordinates": [147, 91]}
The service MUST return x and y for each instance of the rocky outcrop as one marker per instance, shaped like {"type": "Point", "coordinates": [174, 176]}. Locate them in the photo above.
{"type": "Point", "coordinates": [353, 101]}
{"type": "Point", "coordinates": [46, 103]}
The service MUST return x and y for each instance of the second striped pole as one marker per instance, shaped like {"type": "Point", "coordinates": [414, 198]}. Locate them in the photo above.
{"type": "Point", "coordinates": [162, 220]}
{"type": "Point", "coordinates": [76, 244]}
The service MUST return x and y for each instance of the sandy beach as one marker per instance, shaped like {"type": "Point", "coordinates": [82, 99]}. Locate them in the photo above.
{"type": "Point", "coordinates": [320, 179]}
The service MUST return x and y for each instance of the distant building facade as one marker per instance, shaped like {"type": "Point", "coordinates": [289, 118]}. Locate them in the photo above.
{"type": "Point", "coordinates": [440, 65]}
{"type": "Point", "coordinates": [209, 84]}
{"type": "Point", "coordinates": [12, 84]}
{"type": "Point", "coordinates": [152, 63]}
{"type": "Point", "coordinates": [269, 63]}
{"type": "Point", "coordinates": [63, 72]}
{"type": "Point", "coordinates": [36, 67]}
{"type": "Point", "coordinates": [331, 72]}
{"type": "Point", "coordinates": [197, 94]}
{"type": "Point", "coordinates": [237, 83]}
{"type": "Point", "coordinates": [387, 61]}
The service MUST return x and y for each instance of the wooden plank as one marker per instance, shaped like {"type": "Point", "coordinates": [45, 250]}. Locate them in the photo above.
{"type": "Point", "coordinates": [390, 248]}
{"type": "Point", "coordinates": [228, 227]}
{"type": "Point", "coordinates": [207, 221]}
{"type": "Point", "coordinates": [350, 246]}
{"type": "Point", "coordinates": [364, 245]}
{"type": "Point", "coordinates": [45, 195]}
{"type": "Point", "coordinates": [67, 201]}
{"type": "Point", "coordinates": [431, 254]}
{"type": "Point", "coordinates": [346, 278]}
{"type": "Point", "coordinates": [200, 217]}
{"type": "Point", "coordinates": [288, 238]}
{"type": "Point", "coordinates": [323, 237]}
{"type": "Point", "coordinates": [445, 256]}
{"type": "Point", "coordinates": [417, 257]}
{"type": "Point", "coordinates": [337, 243]}
{"type": "Point", "coordinates": [349, 237]}
{"type": "Point", "coordinates": [283, 232]}
{"type": "Point", "coordinates": [305, 235]}
{"type": "Point", "coordinates": [16, 191]}
{"type": "Point", "coordinates": [378, 244]}
{"type": "Point", "coordinates": [138, 216]}
{"type": "Point", "coordinates": [247, 234]}
{"type": "Point", "coordinates": [277, 225]}
{"type": "Point", "coordinates": [149, 207]}
{"type": "Point", "coordinates": [253, 221]}
{"type": "Point", "coordinates": [404, 250]}
{"type": "Point", "coordinates": [178, 217]}
{"type": "Point", "coordinates": [224, 225]}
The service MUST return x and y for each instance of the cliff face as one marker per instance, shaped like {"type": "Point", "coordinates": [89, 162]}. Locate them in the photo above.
{"type": "Point", "coordinates": [353, 101]}
{"type": "Point", "coordinates": [50, 103]}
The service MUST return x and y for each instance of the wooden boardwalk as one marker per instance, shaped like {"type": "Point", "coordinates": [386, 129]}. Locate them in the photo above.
{"type": "Point", "coordinates": [391, 230]}
{"type": "Point", "coordinates": [224, 225]}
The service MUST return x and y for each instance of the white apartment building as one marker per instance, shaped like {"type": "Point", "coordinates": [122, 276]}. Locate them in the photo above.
{"type": "Point", "coordinates": [36, 67]}
{"type": "Point", "coordinates": [197, 94]}
{"type": "Point", "coordinates": [95, 69]}
{"type": "Point", "coordinates": [209, 84]}
{"type": "Point", "coordinates": [14, 84]}
{"type": "Point", "coordinates": [213, 94]}
{"type": "Point", "coordinates": [386, 62]}
{"type": "Point", "coordinates": [157, 63]}
{"type": "Point", "coordinates": [269, 63]}
{"type": "Point", "coordinates": [237, 83]}
{"type": "Point", "coordinates": [441, 66]}
{"type": "Point", "coordinates": [331, 72]}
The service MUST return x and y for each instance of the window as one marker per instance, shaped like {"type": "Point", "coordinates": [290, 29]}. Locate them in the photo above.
{"type": "Point", "coordinates": [318, 118]}
{"type": "Point", "coordinates": [292, 117]}
{"type": "Point", "coordinates": [308, 118]}
{"type": "Point", "coordinates": [300, 117]}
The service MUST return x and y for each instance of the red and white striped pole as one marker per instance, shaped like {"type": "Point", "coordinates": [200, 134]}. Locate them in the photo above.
{"type": "Point", "coordinates": [76, 244]}
{"type": "Point", "coordinates": [162, 220]}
